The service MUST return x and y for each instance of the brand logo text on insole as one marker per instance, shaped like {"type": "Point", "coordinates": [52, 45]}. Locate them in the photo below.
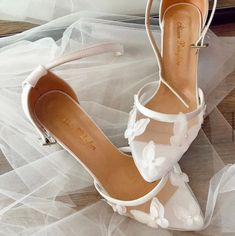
{"type": "Point", "coordinates": [84, 137]}
{"type": "Point", "coordinates": [180, 43]}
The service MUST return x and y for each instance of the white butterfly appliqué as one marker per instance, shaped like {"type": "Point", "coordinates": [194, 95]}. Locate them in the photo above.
{"type": "Point", "coordinates": [180, 131]}
{"type": "Point", "coordinates": [135, 128]}
{"type": "Point", "coordinates": [156, 216]}
{"type": "Point", "coordinates": [150, 159]}
{"type": "Point", "coordinates": [119, 209]}
{"type": "Point", "coordinates": [201, 116]}
{"type": "Point", "coordinates": [190, 216]}
{"type": "Point", "coordinates": [177, 177]}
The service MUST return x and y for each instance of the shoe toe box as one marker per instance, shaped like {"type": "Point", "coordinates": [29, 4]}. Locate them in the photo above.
{"type": "Point", "coordinates": [183, 211]}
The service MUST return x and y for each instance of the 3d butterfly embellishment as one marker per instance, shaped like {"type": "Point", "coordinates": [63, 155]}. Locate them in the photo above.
{"type": "Point", "coordinates": [135, 128]}
{"type": "Point", "coordinates": [180, 131]}
{"type": "Point", "coordinates": [190, 216]}
{"type": "Point", "coordinates": [201, 116]}
{"type": "Point", "coordinates": [156, 216]}
{"type": "Point", "coordinates": [150, 159]}
{"type": "Point", "coordinates": [122, 210]}
{"type": "Point", "coordinates": [177, 177]}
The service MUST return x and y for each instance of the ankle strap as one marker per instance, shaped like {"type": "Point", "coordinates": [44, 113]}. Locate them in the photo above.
{"type": "Point", "coordinates": [135, 202]}
{"type": "Point", "coordinates": [87, 52]}
{"type": "Point", "coordinates": [206, 24]}
{"type": "Point", "coordinates": [157, 52]}
{"type": "Point", "coordinates": [147, 93]}
{"type": "Point", "coordinates": [83, 53]}
{"type": "Point", "coordinates": [200, 41]}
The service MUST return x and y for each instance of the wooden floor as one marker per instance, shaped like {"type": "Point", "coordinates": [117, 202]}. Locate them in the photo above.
{"type": "Point", "coordinates": [225, 3]}
{"type": "Point", "coordinates": [227, 106]}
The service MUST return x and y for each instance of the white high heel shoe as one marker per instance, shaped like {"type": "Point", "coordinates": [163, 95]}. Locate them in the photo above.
{"type": "Point", "coordinates": [52, 107]}
{"type": "Point", "coordinates": [167, 115]}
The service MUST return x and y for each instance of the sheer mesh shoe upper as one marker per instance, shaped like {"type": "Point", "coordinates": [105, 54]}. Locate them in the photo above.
{"type": "Point", "coordinates": [159, 140]}
{"type": "Point", "coordinates": [180, 212]}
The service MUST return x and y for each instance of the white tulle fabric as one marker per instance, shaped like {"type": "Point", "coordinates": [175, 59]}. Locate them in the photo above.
{"type": "Point", "coordinates": [27, 10]}
{"type": "Point", "coordinates": [42, 188]}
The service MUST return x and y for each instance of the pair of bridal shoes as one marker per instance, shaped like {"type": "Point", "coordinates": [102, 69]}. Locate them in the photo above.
{"type": "Point", "coordinates": [148, 186]}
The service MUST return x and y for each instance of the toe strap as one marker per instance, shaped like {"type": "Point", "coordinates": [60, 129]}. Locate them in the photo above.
{"type": "Point", "coordinates": [134, 202]}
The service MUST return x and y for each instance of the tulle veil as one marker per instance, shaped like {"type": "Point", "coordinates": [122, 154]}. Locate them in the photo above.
{"type": "Point", "coordinates": [45, 191]}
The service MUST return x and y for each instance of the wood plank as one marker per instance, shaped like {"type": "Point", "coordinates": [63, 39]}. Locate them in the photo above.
{"type": "Point", "coordinates": [8, 28]}
{"type": "Point", "coordinates": [224, 29]}
{"type": "Point", "coordinates": [225, 3]}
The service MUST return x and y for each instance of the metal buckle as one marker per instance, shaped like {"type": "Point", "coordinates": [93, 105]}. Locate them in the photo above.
{"type": "Point", "coordinates": [48, 141]}
{"type": "Point", "coordinates": [199, 46]}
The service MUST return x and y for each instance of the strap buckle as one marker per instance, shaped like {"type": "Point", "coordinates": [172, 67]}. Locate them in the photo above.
{"type": "Point", "coordinates": [48, 141]}
{"type": "Point", "coordinates": [199, 46]}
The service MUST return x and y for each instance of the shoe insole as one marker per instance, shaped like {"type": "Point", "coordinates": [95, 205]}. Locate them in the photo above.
{"type": "Point", "coordinates": [181, 28]}
{"type": "Point", "coordinates": [70, 125]}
